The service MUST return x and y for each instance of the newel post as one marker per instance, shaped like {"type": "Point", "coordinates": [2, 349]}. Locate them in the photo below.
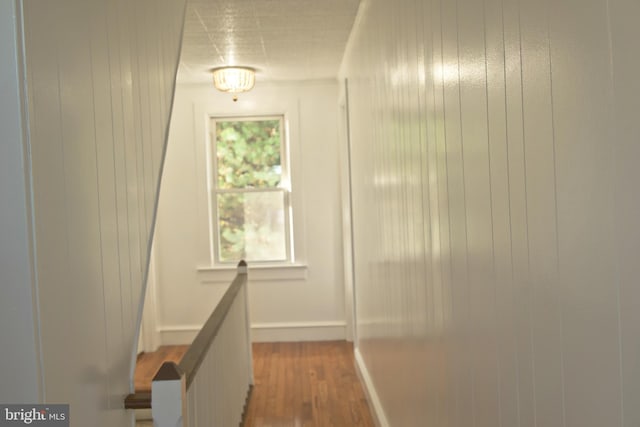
{"type": "Point", "coordinates": [169, 397]}
{"type": "Point", "coordinates": [242, 267]}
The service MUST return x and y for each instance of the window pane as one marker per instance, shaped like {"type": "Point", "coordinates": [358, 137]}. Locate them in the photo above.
{"type": "Point", "coordinates": [252, 226]}
{"type": "Point", "coordinates": [248, 154]}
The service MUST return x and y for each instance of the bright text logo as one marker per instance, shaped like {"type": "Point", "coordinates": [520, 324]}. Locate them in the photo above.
{"type": "Point", "coordinates": [34, 415]}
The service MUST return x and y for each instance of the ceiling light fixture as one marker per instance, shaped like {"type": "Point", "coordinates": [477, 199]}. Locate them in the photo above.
{"type": "Point", "coordinates": [234, 79]}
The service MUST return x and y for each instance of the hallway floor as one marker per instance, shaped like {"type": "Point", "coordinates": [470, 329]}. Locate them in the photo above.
{"type": "Point", "coordinates": [306, 384]}
{"type": "Point", "coordinates": [297, 384]}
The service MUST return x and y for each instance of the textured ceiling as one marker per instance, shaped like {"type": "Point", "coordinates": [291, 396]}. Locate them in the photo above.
{"type": "Point", "coordinates": [283, 39]}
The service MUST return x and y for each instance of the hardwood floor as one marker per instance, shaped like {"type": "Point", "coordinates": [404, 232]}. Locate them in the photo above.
{"type": "Point", "coordinates": [149, 363]}
{"type": "Point", "coordinates": [306, 384]}
{"type": "Point", "coordinates": [298, 384]}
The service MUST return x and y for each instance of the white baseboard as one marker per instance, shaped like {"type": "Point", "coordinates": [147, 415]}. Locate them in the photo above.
{"type": "Point", "coordinates": [298, 331]}
{"type": "Point", "coordinates": [178, 335]}
{"type": "Point", "coordinates": [265, 332]}
{"type": "Point", "coordinates": [372, 396]}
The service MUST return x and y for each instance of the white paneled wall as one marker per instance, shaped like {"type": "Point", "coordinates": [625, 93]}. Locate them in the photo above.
{"type": "Point", "coordinates": [305, 302]}
{"type": "Point", "coordinates": [19, 371]}
{"type": "Point", "coordinates": [626, 133]}
{"type": "Point", "coordinates": [494, 168]}
{"type": "Point", "coordinates": [100, 79]}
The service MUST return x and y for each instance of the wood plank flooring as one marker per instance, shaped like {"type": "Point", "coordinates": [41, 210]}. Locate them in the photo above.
{"type": "Point", "coordinates": [297, 384]}
{"type": "Point", "coordinates": [306, 384]}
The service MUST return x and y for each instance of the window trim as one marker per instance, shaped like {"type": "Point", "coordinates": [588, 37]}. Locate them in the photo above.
{"type": "Point", "coordinates": [214, 191]}
{"type": "Point", "coordinates": [258, 272]}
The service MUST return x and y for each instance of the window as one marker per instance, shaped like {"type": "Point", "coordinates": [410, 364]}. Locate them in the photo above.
{"type": "Point", "coordinates": [250, 190]}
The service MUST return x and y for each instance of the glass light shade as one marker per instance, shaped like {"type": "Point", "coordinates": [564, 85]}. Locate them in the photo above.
{"type": "Point", "coordinates": [234, 79]}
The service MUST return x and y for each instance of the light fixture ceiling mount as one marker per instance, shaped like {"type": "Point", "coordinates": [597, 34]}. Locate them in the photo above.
{"type": "Point", "coordinates": [233, 79]}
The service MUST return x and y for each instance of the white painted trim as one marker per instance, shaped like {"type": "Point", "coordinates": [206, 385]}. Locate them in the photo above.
{"type": "Point", "coordinates": [298, 331]}
{"type": "Point", "coordinates": [296, 325]}
{"type": "Point", "coordinates": [265, 332]}
{"type": "Point", "coordinates": [255, 267]}
{"type": "Point", "coordinates": [178, 335]}
{"type": "Point", "coordinates": [184, 328]}
{"type": "Point", "coordinates": [149, 335]}
{"type": "Point", "coordinates": [257, 273]}
{"type": "Point", "coordinates": [284, 186]}
{"type": "Point", "coordinates": [372, 396]}
{"type": "Point", "coordinates": [248, 106]}
{"type": "Point", "coordinates": [347, 221]}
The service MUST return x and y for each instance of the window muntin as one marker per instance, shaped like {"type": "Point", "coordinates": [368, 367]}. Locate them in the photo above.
{"type": "Point", "coordinates": [250, 203]}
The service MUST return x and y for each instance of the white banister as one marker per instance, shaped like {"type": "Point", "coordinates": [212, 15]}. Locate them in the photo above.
{"type": "Point", "coordinates": [210, 386]}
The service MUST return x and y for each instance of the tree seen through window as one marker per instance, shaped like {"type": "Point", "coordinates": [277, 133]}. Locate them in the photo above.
{"type": "Point", "coordinates": [251, 214]}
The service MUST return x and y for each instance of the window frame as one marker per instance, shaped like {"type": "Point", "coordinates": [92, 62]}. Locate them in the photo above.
{"type": "Point", "coordinates": [284, 187]}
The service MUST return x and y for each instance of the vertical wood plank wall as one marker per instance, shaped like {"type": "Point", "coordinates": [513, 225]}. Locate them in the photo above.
{"type": "Point", "coordinates": [495, 171]}
{"type": "Point", "coordinates": [19, 372]}
{"type": "Point", "coordinates": [100, 81]}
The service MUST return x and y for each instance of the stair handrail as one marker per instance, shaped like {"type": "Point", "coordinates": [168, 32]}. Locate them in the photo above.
{"type": "Point", "coordinates": [188, 367]}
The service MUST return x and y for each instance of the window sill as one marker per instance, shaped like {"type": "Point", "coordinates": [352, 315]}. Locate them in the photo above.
{"type": "Point", "coordinates": [257, 273]}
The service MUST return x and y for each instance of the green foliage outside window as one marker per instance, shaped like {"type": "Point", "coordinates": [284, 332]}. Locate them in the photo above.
{"type": "Point", "coordinates": [250, 224]}
{"type": "Point", "coordinates": [248, 154]}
